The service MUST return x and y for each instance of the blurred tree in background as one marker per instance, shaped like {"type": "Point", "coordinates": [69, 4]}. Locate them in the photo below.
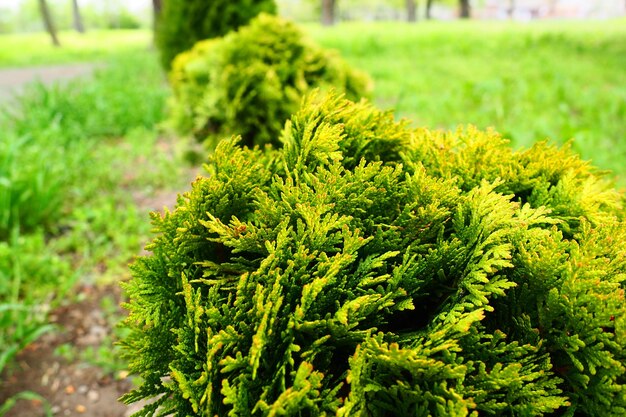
{"type": "Point", "coordinates": [78, 19]}
{"type": "Point", "coordinates": [157, 6]}
{"type": "Point", "coordinates": [329, 8]}
{"type": "Point", "coordinates": [48, 22]}
{"type": "Point", "coordinates": [411, 10]}
{"type": "Point", "coordinates": [329, 12]}
{"type": "Point", "coordinates": [429, 6]}
{"type": "Point", "coordinates": [25, 15]}
{"type": "Point", "coordinates": [464, 9]}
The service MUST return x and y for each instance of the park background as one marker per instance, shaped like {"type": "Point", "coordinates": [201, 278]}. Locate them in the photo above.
{"type": "Point", "coordinates": [83, 161]}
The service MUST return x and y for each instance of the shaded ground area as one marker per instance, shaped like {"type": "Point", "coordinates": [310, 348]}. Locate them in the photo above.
{"type": "Point", "coordinates": [72, 388]}
{"type": "Point", "coordinates": [13, 80]}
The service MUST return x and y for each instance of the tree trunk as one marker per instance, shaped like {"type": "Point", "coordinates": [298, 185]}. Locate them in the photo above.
{"type": "Point", "coordinates": [328, 12]}
{"type": "Point", "coordinates": [464, 9]}
{"type": "Point", "coordinates": [511, 9]}
{"type": "Point", "coordinates": [78, 19]}
{"type": "Point", "coordinates": [429, 6]}
{"type": "Point", "coordinates": [47, 21]}
{"type": "Point", "coordinates": [157, 6]}
{"type": "Point", "coordinates": [411, 11]}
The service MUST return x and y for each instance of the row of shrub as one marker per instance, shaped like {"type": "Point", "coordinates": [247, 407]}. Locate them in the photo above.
{"type": "Point", "coordinates": [356, 266]}
{"type": "Point", "coordinates": [237, 69]}
{"type": "Point", "coordinates": [363, 267]}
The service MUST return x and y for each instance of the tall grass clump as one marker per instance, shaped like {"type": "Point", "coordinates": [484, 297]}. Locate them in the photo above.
{"type": "Point", "coordinates": [369, 268]}
{"type": "Point", "coordinates": [126, 94]}
{"type": "Point", "coordinates": [250, 81]}
{"type": "Point", "coordinates": [52, 133]}
{"type": "Point", "coordinates": [32, 180]}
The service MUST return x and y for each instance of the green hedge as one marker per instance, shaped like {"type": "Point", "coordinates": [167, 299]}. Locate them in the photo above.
{"type": "Point", "coordinates": [183, 23]}
{"type": "Point", "coordinates": [371, 269]}
{"type": "Point", "coordinates": [249, 82]}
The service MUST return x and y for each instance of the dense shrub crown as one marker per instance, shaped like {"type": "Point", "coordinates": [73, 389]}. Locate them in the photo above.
{"type": "Point", "coordinates": [370, 269]}
{"type": "Point", "coordinates": [182, 23]}
{"type": "Point", "coordinates": [249, 82]}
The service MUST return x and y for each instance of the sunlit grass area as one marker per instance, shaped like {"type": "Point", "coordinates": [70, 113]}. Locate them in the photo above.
{"type": "Point", "coordinates": [556, 80]}
{"type": "Point", "coordinates": [20, 50]}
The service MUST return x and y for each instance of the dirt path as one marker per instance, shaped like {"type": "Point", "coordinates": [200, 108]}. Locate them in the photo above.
{"type": "Point", "coordinates": [71, 386]}
{"type": "Point", "coordinates": [13, 80]}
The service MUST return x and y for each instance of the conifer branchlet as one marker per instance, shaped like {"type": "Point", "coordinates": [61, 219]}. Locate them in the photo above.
{"type": "Point", "coordinates": [250, 81]}
{"type": "Point", "coordinates": [366, 268]}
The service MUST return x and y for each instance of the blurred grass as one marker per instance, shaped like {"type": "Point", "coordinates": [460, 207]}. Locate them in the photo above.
{"type": "Point", "coordinates": [34, 49]}
{"type": "Point", "coordinates": [52, 130]}
{"type": "Point", "coordinates": [71, 157]}
{"type": "Point", "coordinates": [556, 80]}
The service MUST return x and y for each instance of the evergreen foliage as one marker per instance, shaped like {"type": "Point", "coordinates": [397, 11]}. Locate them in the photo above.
{"type": "Point", "coordinates": [371, 269]}
{"type": "Point", "coordinates": [249, 82]}
{"type": "Point", "coordinates": [183, 23]}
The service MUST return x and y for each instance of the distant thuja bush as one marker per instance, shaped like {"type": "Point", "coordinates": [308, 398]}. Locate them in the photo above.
{"type": "Point", "coordinates": [183, 23]}
{"type": "Point", "coordinates": [371, 269]}
{"type": "Point", "coordinates": [249, 82]}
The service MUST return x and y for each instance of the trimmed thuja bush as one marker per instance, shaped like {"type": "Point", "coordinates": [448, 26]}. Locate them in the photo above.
{"type": "Point", "coordinates": [371, 269]}
{"type": "Point", "coordinates": [249, 82]}
{"type": "Point", "coordinates": [183, 23]}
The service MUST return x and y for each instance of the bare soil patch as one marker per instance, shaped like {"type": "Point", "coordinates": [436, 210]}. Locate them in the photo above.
{"type": "Point", "coordinates": [72, 388]}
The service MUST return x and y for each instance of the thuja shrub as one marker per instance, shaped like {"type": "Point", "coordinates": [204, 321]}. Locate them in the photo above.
{"type": "Point", "coordinates": [249, 82]}
{"type": "Point", "coordinates": [183, 23]}
{"type": "Point", "coordinates": [371, 269]}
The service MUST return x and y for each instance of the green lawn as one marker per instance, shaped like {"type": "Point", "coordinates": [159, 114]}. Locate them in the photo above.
{"type": "Point", "coordinates": [32, 49]}
{"type": "Point", "coordinates": [529, 81]}
{"type": "Point", "coordinates": [562, 81]}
